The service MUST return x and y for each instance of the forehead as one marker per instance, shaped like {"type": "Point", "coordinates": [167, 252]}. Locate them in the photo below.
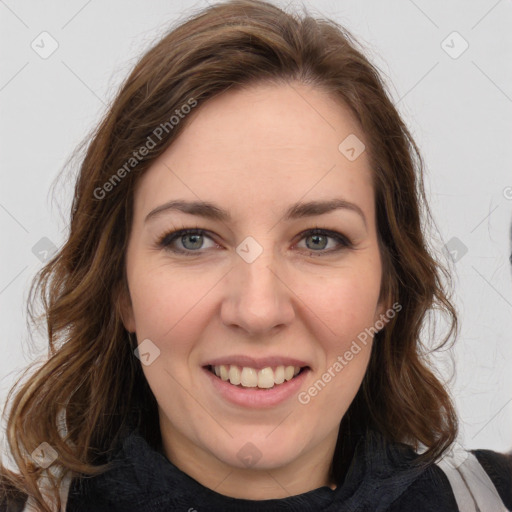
{"type": "Point", "coordinates": [262, 146]}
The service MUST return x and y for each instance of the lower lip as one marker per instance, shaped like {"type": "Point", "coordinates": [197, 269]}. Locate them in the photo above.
{"type": "Point", "coordinates": [256, 397]}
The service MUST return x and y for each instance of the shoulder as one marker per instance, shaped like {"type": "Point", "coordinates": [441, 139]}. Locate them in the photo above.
{"type": "Point", "coordinates": [499, 468]}
{"type": "Point", "coordinates": [460, 480]}
{"type": "Point", "coordinates": [402, 484]}
{"type": "Point", "coordinates": [430, 492]}
{"type": "Point", "coordinates": [456, 483]}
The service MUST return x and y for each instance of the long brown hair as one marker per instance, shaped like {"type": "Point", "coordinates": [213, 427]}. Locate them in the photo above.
{"type": "Point", "coordinates": [92, 373]}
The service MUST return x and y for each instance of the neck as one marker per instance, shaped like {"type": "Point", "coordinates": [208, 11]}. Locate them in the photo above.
{"type": "Point", "coordinates": [307, 472]}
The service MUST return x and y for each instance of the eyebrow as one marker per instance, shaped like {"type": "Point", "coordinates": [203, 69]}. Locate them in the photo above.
{"type": "Point", "coordinates": [296, 211]}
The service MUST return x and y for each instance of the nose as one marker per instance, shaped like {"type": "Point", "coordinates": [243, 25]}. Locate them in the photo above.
{"type": "Point", "coordinates": [258, 300]}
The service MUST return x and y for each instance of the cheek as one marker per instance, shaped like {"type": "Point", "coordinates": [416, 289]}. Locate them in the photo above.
{"type": "Point", "coordinates": [344, 302]}
{"type": "Point", "coordinates": [168, 304]}
{"type": "Point", "coordinates": [347, 307]}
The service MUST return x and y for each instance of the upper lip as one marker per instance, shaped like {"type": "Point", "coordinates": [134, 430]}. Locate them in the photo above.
{"type": "Point", "coordinates": [256, 362]}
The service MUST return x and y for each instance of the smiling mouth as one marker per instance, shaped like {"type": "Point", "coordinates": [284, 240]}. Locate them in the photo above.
{"type": "Point", "coordinates": [247, 377]}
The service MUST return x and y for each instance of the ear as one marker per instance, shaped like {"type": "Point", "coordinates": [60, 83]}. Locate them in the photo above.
{"type": "Point", "coordinates": [125, 308]}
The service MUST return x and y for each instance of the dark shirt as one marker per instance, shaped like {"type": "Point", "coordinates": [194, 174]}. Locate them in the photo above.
{"type": "Point", "coordinates": [499, 468]}
{"type": "Point", "coordinates": [382, 477]}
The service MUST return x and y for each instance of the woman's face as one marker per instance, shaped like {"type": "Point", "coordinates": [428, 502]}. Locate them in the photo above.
{"type": "Point", "coordinates": [254, 292]}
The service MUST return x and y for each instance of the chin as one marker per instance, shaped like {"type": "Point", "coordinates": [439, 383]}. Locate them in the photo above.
{"type": "Point", "coordinates": [260, 450]}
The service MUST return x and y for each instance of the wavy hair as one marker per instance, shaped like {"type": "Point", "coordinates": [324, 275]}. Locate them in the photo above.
{"type": "Point", "coordinates": [91, 387]}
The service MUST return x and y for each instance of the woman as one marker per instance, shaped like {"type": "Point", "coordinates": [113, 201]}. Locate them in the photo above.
{"type": "Point", "coordinates": [234, 320]}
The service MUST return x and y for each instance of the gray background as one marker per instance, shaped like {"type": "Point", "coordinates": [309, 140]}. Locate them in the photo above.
{"type": "Point", "coordinates": [458, 106]}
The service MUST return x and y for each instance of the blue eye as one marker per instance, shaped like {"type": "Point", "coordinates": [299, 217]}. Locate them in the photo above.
{"type": "Point", "coordinates": [192, 241]}
{"type": "Point", "coordinates": [320, 239]}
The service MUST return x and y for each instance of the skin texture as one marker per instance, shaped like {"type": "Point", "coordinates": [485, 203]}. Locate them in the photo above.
{"type": "Point", "coordinates": [255, 152]}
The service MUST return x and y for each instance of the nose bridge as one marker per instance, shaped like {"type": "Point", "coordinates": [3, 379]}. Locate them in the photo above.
{"type": "Point", "coordinates": [258, 299]}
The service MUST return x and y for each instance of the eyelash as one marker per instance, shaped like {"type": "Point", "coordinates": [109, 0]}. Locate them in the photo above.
{"type": "Point", "coordinates": [167, 239]}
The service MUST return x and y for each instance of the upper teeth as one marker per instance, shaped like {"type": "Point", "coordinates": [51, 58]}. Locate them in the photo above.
{"type": "Point", "coordinates": [250, 377]}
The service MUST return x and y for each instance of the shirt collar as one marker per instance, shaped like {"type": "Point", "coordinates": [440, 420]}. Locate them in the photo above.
{"type": "Point", "coordinates": [142, 479]}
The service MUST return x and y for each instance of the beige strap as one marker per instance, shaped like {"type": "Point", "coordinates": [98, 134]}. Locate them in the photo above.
{"type": "Point", "coordinates": [471, 485]}
{"type": "Point", "coordinates": [31, 506]}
